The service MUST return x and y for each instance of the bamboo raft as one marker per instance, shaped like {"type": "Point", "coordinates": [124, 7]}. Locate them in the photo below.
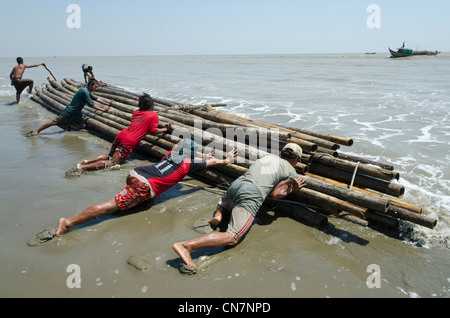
{"type": "Point", "coordinates": [353, 188]}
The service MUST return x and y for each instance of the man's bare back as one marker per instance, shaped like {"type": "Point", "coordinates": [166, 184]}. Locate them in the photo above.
{"type": "Point", "coordinates": [16, 77]}
{"type": "Point", "coordinates": [18, 71]}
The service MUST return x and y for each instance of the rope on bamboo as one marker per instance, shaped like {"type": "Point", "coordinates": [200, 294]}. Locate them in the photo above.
{"type": "Point", "coordinates": [354, 175]}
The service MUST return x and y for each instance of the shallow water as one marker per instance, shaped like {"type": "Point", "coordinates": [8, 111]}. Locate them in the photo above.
{"type": "Point", "coordinates": [395, 110]}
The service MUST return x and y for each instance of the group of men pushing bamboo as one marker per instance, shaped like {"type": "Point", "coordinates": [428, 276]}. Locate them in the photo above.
{"type": "Point", "coordinates": [271, 176]}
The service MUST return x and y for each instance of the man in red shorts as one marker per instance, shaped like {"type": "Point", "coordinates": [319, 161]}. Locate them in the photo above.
{"type": "Point", "coordinates": [147, 182]}
{"type": "Point", "coordinates": [144, 121]}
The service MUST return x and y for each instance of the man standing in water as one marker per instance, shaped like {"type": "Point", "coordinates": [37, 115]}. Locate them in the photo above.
{"type": "Point", "coordinates": [16, 78]}
{"type": "Point", "coordinates": [270, 176]}
{"type": "Point", "coordinates": [72, 115]}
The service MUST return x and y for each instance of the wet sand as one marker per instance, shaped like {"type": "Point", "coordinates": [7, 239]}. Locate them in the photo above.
{"type": "Point", "coordinates": [279, 257]}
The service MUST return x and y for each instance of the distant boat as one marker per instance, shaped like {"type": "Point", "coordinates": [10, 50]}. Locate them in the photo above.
{"type": "Point", "coordinates": [371, 52]}
{"type": "Point", "coordinates": [404, 52]}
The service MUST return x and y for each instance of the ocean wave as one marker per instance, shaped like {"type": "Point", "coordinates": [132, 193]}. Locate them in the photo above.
{"type": "Point", "coordinates": [7, 90]}
{"type": "Point", "coordinates": [6, 93]}
{"type": "Point", "coordinates": [435, 205]}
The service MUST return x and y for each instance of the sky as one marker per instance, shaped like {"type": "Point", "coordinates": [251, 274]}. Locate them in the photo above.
{"type": "Point", "coordinates": [41, 28]}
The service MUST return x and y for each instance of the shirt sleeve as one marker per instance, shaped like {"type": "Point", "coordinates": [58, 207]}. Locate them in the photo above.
{"type": "Point", "coordinates": [87, 100]}
{"type": "Point", "coordinates": [92, 96]}
{"type": "Point", "coordinates": [197, 166]}
{"type": "Point", "coordinates": [289, 170]}
{"type": "Point", "coordinates": [154, 124]}
{"type": "Point", "coordinates": [293, 174]}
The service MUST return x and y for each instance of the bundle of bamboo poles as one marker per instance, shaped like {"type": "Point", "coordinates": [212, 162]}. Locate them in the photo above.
{"type": "Point", "coordinates": [353, 188]}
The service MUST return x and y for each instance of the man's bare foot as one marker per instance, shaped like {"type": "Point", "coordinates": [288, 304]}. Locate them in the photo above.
{"type": "Point", "coordinates": [31, 134]}
{"type": "Point", "coordinates": [215, 220]}
{"type": "Point", "coordinates": [78, 166]}
{"type": "Point", "coordinates": [63, 226]}
{"type": "Point", "coordinates": [184, 254]}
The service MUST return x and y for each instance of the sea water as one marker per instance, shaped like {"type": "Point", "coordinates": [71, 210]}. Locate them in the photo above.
{"type": "Point", "coordinates": [395, 110]}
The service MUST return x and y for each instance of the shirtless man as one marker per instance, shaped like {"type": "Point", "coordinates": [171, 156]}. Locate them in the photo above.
{"type": "Point", "coordinates": [16, 78]}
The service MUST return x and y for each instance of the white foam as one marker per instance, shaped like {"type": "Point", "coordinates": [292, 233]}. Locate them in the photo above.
{"type": "Point", "coordinates": [293, 287]}
{"type": "Point", "coordinates": [6, 92]}
{"type": "Point", "coordinates": [426, 136]}
{"type": "Point", "coordinates": [436, 204]}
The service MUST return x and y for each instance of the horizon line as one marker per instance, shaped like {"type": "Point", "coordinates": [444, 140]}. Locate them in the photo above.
{"type": "Point", "coordinates": [210, 54]}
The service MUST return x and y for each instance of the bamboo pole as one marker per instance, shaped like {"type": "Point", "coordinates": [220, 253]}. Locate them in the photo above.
{"type": "Point", "coordinates": [362, 181]}
{"type": "Point", "coordinates": [352, 218]}
{"type": "Point", "coordinates": [327, 202]}
{"type": "Point", "coordinates": [337, 139]}
{"type": "Point", "coordinates": [358, 198]}
{"type": "Point", "coordinates": [303, 215]}
{"type": "Point", "coordinates": [364, 160]}
{"type": "Point", "coordinates": [191, 120]}
{"type": "Point", "coordinates": [300, 136]}
{"type": "Point", "coordinates": [394, 201]}
{"type": "Point", "coordinates": [384, 219]}
{"type": "Point", "coordinates": [225, 118]}
{"type": "Point", "coordinates": [416, 218]}
{"type": "Point", "coordinates": [351, 166]}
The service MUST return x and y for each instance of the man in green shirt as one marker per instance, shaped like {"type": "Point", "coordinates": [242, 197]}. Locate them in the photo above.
{"type": "Point", "coordinates": [270, 176]}
{"type": "Point", "coordinates": [72, 115]}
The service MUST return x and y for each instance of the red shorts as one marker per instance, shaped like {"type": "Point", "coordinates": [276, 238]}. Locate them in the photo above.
{"type": "Point", "coordinates": [124, 151]}
{"type": "Point", "coordinates": [133, 194]}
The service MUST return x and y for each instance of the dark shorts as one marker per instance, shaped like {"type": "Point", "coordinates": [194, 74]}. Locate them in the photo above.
{"type": "Point", "coordinates": [21, 84]}
{"type": "Point", "coordinates": [65, 122]}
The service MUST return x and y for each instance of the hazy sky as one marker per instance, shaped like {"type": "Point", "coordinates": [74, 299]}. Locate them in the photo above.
{"type": "Point", "coordinates": [185, 27]}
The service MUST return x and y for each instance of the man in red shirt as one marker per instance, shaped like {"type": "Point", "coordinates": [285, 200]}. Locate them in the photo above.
{"type": "Point", "coordinates": [144, 121]}
{"type": "Point", "coordinates": [147, 182]}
